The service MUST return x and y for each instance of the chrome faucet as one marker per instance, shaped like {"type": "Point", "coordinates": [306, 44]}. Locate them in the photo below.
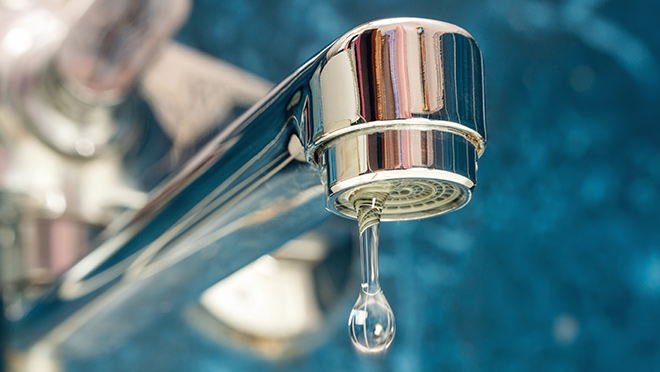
{"type": "Point", "coordinates": [396, 99]}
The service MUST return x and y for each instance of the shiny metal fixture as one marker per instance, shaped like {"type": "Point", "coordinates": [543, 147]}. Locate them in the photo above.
{"type": "Point", "coordinates": [399, 101]}
{"type": "Point", "coordinates": [393, 100]}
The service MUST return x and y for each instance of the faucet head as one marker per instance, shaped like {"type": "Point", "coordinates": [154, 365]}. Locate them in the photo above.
{"type": "Point", "coordinates": [426, 172]}
{"type": "Point", "coordinates": [399, 105]}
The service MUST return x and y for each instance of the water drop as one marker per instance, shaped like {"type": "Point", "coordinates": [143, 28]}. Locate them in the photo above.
{"type": "Point", "coordinates": [371, 323]}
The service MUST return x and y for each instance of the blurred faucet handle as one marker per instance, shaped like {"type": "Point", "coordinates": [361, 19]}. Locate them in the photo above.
{"type": "Point", "coordinates": [67, 68]}
{"type": "Point", "coordinates": [110, 44]}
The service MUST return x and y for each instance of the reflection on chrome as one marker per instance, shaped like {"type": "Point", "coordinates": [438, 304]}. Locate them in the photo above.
{"type": "Point", "coordinates": [397, 99]}
{"type": "Point", "coordinates": [280, 305]}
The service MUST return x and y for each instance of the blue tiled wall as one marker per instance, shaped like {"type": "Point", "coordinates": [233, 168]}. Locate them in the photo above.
{"type": "Point", "coordinates": [555, 264]}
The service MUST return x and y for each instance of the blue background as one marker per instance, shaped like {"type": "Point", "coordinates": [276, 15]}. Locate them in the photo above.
{"type": "Point", "coordinates": [555, 264]}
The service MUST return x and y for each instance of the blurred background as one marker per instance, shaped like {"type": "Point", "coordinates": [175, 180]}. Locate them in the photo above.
{"type": "Point", "coordinates": [555, 263]}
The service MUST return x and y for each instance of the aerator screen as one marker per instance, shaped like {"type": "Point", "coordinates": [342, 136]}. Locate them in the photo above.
{"type": "Point", "coordinates": [409, 198]}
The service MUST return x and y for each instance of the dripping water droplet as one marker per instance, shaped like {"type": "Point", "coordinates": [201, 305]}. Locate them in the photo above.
{"type": "Point", "coordinates": [371, 323]}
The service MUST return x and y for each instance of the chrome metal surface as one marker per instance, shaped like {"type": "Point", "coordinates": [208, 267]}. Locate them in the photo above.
{"type": "Point", "coordinates": [397, 69]}
{"type": "Point", "coordinates": [391, 100]}
{"type": "Point", "coordinates": [439, 169]}
{"type": "Point", "coordinates": [400, 100]}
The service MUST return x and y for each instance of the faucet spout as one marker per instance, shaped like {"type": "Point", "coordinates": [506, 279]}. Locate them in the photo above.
{"type": "Point", "coordinates": [397, 99]}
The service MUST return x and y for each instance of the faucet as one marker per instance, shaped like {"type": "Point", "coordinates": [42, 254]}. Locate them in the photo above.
{"type": "Point", "coordinates": [391, 100]}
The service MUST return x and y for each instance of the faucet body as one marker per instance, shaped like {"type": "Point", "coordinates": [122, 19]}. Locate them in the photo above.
{"type": "Point", "coordinates": [398, 99]}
